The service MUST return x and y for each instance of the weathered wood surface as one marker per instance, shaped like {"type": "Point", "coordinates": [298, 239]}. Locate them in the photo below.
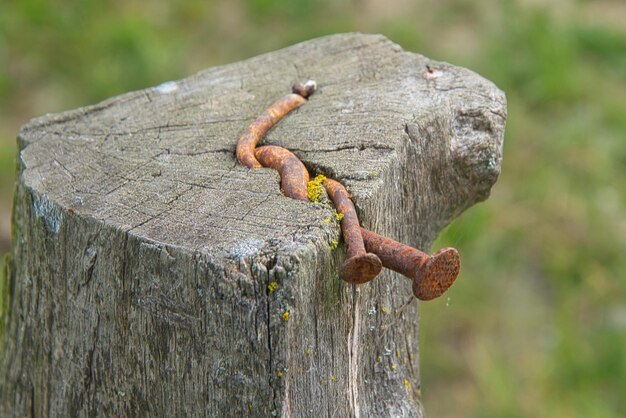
{"type": "Point", "coordinates": [143, 251]}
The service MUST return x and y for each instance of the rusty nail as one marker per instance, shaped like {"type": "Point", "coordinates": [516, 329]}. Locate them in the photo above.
{"type": "Point", "coordinates": [253, 134]}
{"type": "Point", "coordinates": [431, 275]}
{"type": "Point", "coordinates": [304, 90]}
{"type": "Point", "coordinates": [360, 266]}
{"type": "Point", "coordinates": [294, 176]}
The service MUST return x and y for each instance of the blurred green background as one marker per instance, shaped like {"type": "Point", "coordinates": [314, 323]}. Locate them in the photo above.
{"type": "Point", "coordinates": [536, 324]}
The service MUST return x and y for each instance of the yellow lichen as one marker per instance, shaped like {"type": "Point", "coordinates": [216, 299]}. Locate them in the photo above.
{"type": "Point", "coordinates": [338, 216]}
{"type": "Point", "coordinates": [315, 189]}
{"type": "Point", "coordinates": [333, 244]}
{"type": "Point", "coordinates": [326, 220]}
{"type": "Point", "coordinates": [272, 287]}
{"type": "Point", "coordinates": [279, 374]}
{"type": "Point", "coordinates": [407, 384]}
{"type": "Point", "coordinates": [285, 316]}
{"type": "Point", "coordinates": [308, 351]}
{"type": "Point", "coordinates": [393, 367]}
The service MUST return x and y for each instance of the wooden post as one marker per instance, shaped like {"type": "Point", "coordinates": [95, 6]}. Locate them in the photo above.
{"type": "Point", "coordinates": [153, 275]}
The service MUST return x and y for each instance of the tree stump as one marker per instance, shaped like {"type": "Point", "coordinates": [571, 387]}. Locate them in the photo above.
{"type": "Point", "coordinates": [151, 274]}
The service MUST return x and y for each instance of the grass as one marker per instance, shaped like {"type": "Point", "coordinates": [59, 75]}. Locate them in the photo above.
{"type": "Point", "coordinates": [536, 325]}
{"type": "Point", "coordinates": [543, 282]}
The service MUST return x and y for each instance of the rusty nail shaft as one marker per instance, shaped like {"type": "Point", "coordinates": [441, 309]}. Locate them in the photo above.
{"type": "Point", "coordinates": [253, 134]}
{"type": "Point", "coordinates": [293, 174]}
{"type": "Point", "coordinates": [431, 275]}
{"type": "Point", "coordinates": [360, 266]}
